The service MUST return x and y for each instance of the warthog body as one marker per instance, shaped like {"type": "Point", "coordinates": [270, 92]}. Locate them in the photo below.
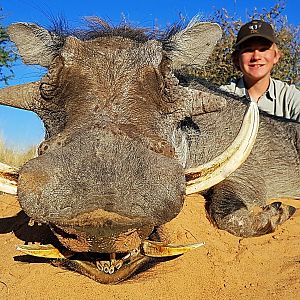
{"type": "Point", "coordinates": [271, 171]}
{"type": "Point", "coordinates": [121, 130]}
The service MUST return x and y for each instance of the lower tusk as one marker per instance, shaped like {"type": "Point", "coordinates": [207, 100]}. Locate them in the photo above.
{"type": "Point", "coordinates": [158, 249]}
{"type": "Point", "coordinates": [213, 172]}
{"type": "Point", "coordinates": [46, 251]}
{"type": "Point", "coordinates": [8, 179]}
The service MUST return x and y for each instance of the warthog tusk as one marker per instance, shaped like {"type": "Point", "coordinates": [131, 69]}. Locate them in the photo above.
{"type": "Point", "coordinates": [46, 251]}
{"type": "Point", "coordinates": [8, 179]}
{"type": "Point", "coordinates": [213, 172]}
{"type": "Point", "coordinates": [112, 271]}
{"type": "Point", "coordinates": [149, 248]}
{"type": "Point", "coordinates": [158, 249]}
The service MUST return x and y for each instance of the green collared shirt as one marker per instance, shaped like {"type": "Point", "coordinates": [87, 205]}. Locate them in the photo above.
{"type": "Point", "coordinates": [280, 99]}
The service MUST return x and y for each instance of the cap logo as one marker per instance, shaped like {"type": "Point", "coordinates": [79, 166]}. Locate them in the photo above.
{"type": "Point", "coordinates": [254, 28]}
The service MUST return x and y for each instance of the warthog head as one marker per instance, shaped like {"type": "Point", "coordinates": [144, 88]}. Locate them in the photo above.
{"type": "Point", "coordinates": [112, 167]}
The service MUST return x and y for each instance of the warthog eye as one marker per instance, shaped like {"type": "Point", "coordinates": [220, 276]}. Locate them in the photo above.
{"type": "Point", "coordinates": [47, 90]}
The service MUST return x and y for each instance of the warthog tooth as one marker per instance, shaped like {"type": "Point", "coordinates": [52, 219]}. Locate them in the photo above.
{"type": "Point", "coordinates": [119, 264]}
{"type": "Point", "coordinates": [158, 249]}
{"type": "Point", "coordinates": [107, 266]}
{"type": "Point", "coordinates": [127, 256]}
{"type": "Point", "coordinates": [132, 253]}
{"type": "Point", "coordinates": [46, 251]}
{"type": "Point", "coordinates": [99, 265]}
{"type": "Point", "coordinates": [31, 222]}
{"type": "Point", "coordinates": [112, 265]}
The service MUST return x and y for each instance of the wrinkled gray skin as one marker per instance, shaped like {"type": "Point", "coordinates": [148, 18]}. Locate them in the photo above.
{"type": "Point", "coordinates": [272, 170]}
{"type": "Point", "coordinates": [118, 140]}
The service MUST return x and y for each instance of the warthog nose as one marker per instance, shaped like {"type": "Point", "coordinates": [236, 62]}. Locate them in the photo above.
{"type": "Point", "coordinates": [112, 176]}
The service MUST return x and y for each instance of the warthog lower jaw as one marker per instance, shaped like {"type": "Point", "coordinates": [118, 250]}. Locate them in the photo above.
{"type": "Point", "coordinates": [107, 268]}
{"type": "Point", "coordinates": [111, 271]}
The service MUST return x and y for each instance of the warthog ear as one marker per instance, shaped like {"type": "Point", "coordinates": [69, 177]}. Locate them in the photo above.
{"type": "Point", "coordinates": [35, 44]}
{"type": "Point", "coordinates": [194, 44]}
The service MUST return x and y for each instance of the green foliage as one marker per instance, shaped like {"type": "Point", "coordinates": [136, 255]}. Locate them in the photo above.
{"type": "Point", "coordinates": [219, 68]}
{"type": "Point", "coordinates": [6, 55]}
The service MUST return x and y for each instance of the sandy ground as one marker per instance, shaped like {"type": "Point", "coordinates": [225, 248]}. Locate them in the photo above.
{"type": "Point", "coordinates": [227, 267]}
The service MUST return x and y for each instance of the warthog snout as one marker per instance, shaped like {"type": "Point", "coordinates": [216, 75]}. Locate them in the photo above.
{"type": "Point", "coordinates": [96, 202]}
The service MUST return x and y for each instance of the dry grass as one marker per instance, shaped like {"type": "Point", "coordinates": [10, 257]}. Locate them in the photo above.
{"type": "Point", "coordinates": [15, 157]}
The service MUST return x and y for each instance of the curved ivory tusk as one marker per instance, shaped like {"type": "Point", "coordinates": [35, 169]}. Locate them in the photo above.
{"type": "Point", "coordinates": [158, 249]}
{"type": "Point", "coordinates": [150, 249]}
{"type": "Point", "coordinates": [213, 172]}
{"type": "Point", "coordinates": [46, 251]}
{"type": "Point", "coordinates": [21, 96]}
{"type": "Point", "coordinates": [8, 179]}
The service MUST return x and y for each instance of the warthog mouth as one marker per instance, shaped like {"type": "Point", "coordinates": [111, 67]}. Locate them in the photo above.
{"type": "Point", "coordinates": [107, 268]}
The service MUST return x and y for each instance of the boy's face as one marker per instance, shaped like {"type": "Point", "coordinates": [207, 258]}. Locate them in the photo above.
{"type": "Point", "coordinates": [257, 57]}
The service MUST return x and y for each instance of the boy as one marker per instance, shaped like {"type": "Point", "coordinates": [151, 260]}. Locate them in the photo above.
{"type": "Point", "coordinates": [255, 55]}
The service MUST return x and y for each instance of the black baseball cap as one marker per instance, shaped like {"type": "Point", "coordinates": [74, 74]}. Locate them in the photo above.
{"type": "Point", "coordinates": [255, 28]}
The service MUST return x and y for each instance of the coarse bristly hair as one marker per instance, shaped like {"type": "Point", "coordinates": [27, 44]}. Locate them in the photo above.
{"type": "Point", "coordinates": [97, 27]}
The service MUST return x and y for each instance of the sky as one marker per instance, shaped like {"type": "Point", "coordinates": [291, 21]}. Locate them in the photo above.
{"type": "Point", "coordinates": [21, 129]}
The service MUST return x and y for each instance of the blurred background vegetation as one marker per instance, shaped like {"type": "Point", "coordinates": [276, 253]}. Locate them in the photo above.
{"type": "Point", "coordinates": [15, 157]}
{"type": "Point", "coordinates": [218, 70]}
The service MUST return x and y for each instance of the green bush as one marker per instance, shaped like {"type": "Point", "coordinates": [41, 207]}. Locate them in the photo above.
{"type": "Point", "coordinates": [7, 56]}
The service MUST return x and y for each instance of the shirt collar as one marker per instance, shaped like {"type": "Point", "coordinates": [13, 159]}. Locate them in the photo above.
{"type": "Point", "coordinates": [271, 90]}
{"type": "Point", "coordinates": [270, 93]}
{"type": "Point", "coordinates": [240, 87]}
